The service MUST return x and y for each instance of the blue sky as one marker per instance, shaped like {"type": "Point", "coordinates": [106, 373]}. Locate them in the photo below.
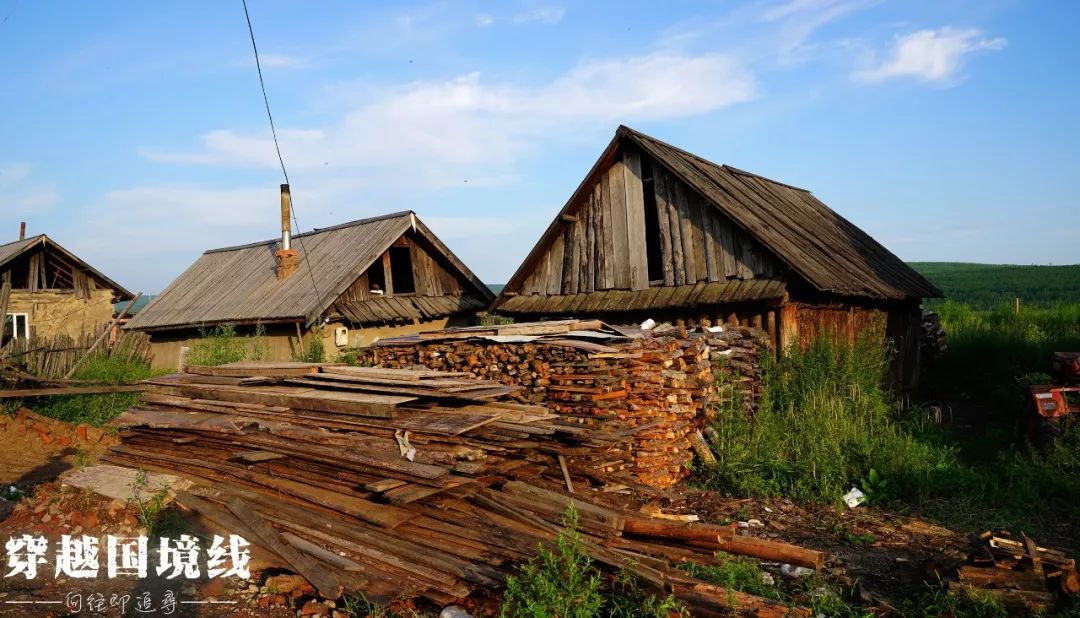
{"type": "Point", "coordinates": [134, 132]}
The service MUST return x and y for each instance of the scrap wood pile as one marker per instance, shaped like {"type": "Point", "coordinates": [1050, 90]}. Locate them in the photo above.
{"type": "Point", "coordinates": [1018, 571]}
{"type": "Point", "coordinates": [403, 482]}
{"type": "Point", "coordinates": [639, 400]}
{"type": "Point", "coordinates": [934, 342]}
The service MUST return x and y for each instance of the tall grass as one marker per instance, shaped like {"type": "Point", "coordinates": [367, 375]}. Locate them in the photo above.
{"type": "Point", "coordinates": [824, 423]}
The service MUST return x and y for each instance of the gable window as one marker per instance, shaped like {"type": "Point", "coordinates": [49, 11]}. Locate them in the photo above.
{"type": "Point", "coordinates": [401, 271]}
{"type": "Point", "coordinates": [16, 326]}
{"type": "Point", "coordinates": [653, 254]}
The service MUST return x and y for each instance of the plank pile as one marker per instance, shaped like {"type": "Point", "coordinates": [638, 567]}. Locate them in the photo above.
{"type": "Point", "coordinates": [1018, 571]}
{"type": "Point", "coordinates": [406, 482]}
{"type": "Point", "coordinates": [637, 400]}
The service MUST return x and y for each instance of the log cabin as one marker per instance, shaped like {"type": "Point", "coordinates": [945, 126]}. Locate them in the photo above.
{"type": "Point", "coordinates": [46, 291]}
{"type": "Point", "coordinates": [657, 232]}
{"type": "Point", "coordinates": [350, 285]}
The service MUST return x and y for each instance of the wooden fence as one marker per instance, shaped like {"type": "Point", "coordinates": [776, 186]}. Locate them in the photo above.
{"type": "Point", "coordinates": [52, 357]}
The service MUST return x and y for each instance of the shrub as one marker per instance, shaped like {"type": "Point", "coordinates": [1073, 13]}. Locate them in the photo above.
{"type": "Point", "coordinates": [560, 583]}
{"type": "Point", "coordinates": [218, 346]}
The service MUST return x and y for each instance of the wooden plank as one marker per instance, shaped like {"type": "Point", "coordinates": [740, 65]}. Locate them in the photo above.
{"type": "Point", "coordinates": [328, 585]}
{"type": "Point", "coordinates": [589, 258]}
{"type": "Point", "coordinates": [701, 236]}
{"type": "Point", "coordinates": [566, 279]}
{"type": "Point", "coordinates": [727, 244]}
{"type": "Point", "coordinates": [619, 226]}
{"type": "Point", "coordinates": [361, 404]}
{"type": "Point", "coordinates": [388, 279]}
{"type": "Point", "coordinates": [635, 219]}
{"type": "Point", "coordinates": [70, 390]}
{"type": "Point", "coordinates": [554, 266]}
{"type": "Point", "coordinates": [606, 231]}
{"type": "Point", "coordinates": [679, 194]}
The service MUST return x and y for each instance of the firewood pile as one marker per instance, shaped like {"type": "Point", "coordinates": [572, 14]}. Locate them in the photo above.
{"type": "Point", "coordinates": [934, 339]}
{"type": "Point", "coordinates": [1019, 571]}
{"type": "Point", "coordinates": [411, 483]}
{"type": "Point", "coordinates": [736, 354]}
{"type": "Point", "coordinates": [639, 400]}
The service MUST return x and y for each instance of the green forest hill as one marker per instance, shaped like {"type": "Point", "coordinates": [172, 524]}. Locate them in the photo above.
{"type": "Point", "coordinates": [985, 286]}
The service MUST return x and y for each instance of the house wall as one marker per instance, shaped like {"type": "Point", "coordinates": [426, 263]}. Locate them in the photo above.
{"type": "Point", "coordinates": [280, 339]}
{"type": "Point", "coordinates": [895, 323]}
{"type": "Point", "coordinates": [61, 312]}
{"type": "Point", "coordinates": [605, 241]}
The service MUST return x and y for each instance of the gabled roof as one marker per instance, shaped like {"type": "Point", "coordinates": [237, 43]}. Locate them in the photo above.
{"type": "Point", "coordinates": [13, 250]}
{"type": "Point", "coordinates": [239, 285]}
{"type": "Point", "coordinates": [825, 249]}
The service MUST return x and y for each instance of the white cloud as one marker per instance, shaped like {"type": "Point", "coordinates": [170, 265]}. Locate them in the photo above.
{"type": "Point", "coordinates": [931, 55]}
{"type": "Point", "coordinates": [439, 132]}
{"type": "Point", "coordinates": [484, 20]}
{"type": "Point", "coordinates": [540, 15]}
{"type": "Point", "coordinates": [13, 173]}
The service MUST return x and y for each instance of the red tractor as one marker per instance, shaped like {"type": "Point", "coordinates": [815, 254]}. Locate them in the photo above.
{"type": "Point", "coordinates": [1054, 404]}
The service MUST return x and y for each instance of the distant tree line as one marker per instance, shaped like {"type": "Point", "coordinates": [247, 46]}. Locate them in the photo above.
{"type": "Point", "coordinates": [986, 286]}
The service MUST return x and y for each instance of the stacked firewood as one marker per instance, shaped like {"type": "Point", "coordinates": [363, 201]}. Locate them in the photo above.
{"type": "Point", "coordinates": [1018, 571]}
{"type": "Point", "coordinates": [640, 399]}
{"type": "Point", "coordinates": [736, 352]}
{"type": "Point", "coordinates": [404, 483]}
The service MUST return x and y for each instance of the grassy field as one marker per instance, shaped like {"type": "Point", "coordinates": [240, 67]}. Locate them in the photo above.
{"type": "Point", "coordinates": [986, 286]}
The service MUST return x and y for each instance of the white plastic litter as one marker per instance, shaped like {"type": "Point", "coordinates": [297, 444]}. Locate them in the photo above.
{"type": "Point", "coordinates": [755, 523]}
{"type": "Point", "coordinates": [854, 497]}
{"type": "Point", "coordinates": [791, 571]}
{"type": "Point", "coordinates": [716, 329]}
{"type": "Point", "coordinates": [648, 324]}
{"type": "Point", "coordinates": [454, 611]}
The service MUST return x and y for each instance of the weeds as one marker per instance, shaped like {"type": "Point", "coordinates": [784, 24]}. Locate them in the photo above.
{"type": "Point", "coordinates": [824, 422]}
{"type": "Point", "coordinates": [311, 351]}
{"type": "Point", "coordinates": [737, 573]}
{"type": "Point", "coordinates": [218, 346]}
{"type": "Point", "coordinates": [150, 510]}
{"type": "Point", "coordinates": [95, 410]}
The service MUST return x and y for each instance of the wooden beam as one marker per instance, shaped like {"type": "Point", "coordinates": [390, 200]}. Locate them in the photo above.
{"type": "Point", "coordinates": [71, 390]}
{"type": "Point", "coordinates": [388, 279]}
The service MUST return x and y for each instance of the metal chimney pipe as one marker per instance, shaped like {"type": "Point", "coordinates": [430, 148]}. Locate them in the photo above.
{"type": "Point", "coordinates": [22, 230]}
{"type": "Point", "coordinates": [286, 218]}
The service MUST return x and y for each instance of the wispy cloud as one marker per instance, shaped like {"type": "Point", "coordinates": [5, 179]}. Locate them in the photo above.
{"type": "Point", "coordinates": [440, 131]}
{"type": "Point", "coordinates": [931, 55]}
{"type": "Point", "coordinates": [548, 14]}
{"type": "Point", "coordinates": [273, 61]}
{"type": "Point", "coordinates": [484, 20]}
{"type": "Point", "coordinates": [23, 194]}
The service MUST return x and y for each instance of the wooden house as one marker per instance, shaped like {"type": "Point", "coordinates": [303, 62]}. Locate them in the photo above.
{"type": "Point", "coordinates": [349, 284]}
{"type": "Point", "coordinates": [46, 291]}
{"type": "Point", "coordinates": [656, 232]}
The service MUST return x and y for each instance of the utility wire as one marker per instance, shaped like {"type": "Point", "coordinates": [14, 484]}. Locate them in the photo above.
{"type": "Point", "coordinates": [277, 147]}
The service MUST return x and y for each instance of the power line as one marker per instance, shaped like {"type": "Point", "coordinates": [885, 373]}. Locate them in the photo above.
{"type": "Point", "coordinates": [277, 147]}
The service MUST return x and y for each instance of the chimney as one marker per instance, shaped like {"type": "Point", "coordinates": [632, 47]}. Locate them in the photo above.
{"type": "Point", "coordinates": [22, 230]}
{"type": "Point", "coordinates": [286, 258]}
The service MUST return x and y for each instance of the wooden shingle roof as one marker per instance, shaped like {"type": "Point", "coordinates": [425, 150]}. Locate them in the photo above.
{"type": "Point", "coordinates": [827, 250]}
{"type": "Point", "coordinates": [12, 250]}
{"type": "Point", "coordinates": [238, 284]}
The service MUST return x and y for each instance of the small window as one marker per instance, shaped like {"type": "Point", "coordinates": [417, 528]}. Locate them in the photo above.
{"type": "Point", "coordinates": [654, 256]}
{"type": "Point", "coordinates": [16, 326]}
{"type": "Point", "coordinates": [401, 274]}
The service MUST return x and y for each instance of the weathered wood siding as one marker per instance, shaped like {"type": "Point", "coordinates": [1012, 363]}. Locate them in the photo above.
{"type": "Point", "coordinates": [603, 242]}
{"type": "Point", "coordinates": [430, 277]}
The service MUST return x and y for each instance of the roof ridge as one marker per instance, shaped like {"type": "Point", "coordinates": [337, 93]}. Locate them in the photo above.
{"type": "Point", "coordinates": [318, 230]}
{"type": "Point", "coordinates": [638, 134]}
{"type": "Point", "coordinates": [35, 237]}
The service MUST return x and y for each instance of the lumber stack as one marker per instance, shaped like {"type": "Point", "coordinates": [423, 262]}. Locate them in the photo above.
{"type": "Point", "coordinates": [1019, 571]}
{"type": "Point", "coordinates": [411, 483]}
{"type": "Point", "coordinates": [638, 400]}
